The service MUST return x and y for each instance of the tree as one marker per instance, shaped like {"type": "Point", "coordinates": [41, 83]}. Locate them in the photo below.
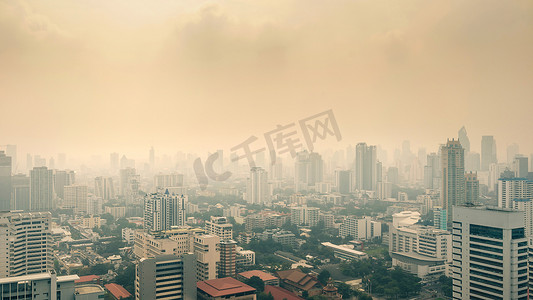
{"type": "Point", "coordinates": [345, 290]}
{"type": "Point", "coordinates": [324, 276]}
{"type": "Point", "coordinates": [264, 296]}
{"type": "Point", "coordinates": [256, 283]}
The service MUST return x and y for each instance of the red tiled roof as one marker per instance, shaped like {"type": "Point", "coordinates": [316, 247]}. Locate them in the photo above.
{"type": "Point", "coordinates": [223, 287]}
{"type": "Point", "coordinates": [280, 293]}
{"type": "Point", "coordinates": [87, 278]}
{"type": "Point", "coordinates": [263, 275]}
{"type": "Point", "coordinates": [297, 278]}
{"type": "Point", "coordinates": [117, 291]}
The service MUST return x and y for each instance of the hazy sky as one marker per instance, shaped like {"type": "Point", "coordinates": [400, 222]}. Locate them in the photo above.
{"type": "Point", "coordinates": [91, 76]}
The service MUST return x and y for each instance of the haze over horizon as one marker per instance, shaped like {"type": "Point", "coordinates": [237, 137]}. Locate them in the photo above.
{"type": "Point", "coordinates": [99, 77]}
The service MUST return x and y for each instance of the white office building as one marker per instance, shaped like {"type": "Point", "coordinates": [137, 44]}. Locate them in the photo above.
{"type": "Point", "coordinates": [490, 254]}
{"type": "Point", "coordinates": [25, 243]}
{"type": "Point", "coordinates": [304, 215]}
{"type": "Point", "coordinates": [360, 228]}
{"type": "Point", "coordinates": [220, 227]}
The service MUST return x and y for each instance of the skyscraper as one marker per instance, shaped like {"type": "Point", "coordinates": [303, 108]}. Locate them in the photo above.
{"type": "Point", "coordinates": [316, 169]}
{"type": "Point", "coordinates": [5, 182]}
{"type": "Point", "coordinates": [301, 171]}
{"type": "Point", "coordinates": [207, 256]}
{"type": "Point", "coordinates": [488, 152]}
{"type": "Point", "coordinates": [163, 210]}
{"type": "Point", "coordinates": [113, 162]}
{"type": "Point", "coordinates": [163, 181]}
{"type": "Point", "coordinates": [25, 249]}
{"type": "Point", "coordinates": [472, 188]}
{"type": "Point", "coordinates": [75, 197]}
{"type": "Point", "coordinates": [366, 167]}
{"type": "Point", "coordinates": [464, 140]}
{"type": "Point", "coordinates": [62, 179]}
{"type": "Point", "coordinates": [20, 192]}
{"type": "Point", "coordinates": [41, 189]}
{"type": "Point", "coordinates": [512, 151]}
{"type": "Point", "coordinates": [11, 151]}
{"type": "Point", "coordinates": [228, 256]}
{"type": "Point", "coordinates": [343, 181]}
{"type": "Point", "coordinates": [520, 166]}
{"type": "Point", "coordinates": [104, 188]}
{"type": "Point", "coordinates": [257, 189]}
{"type": "Point", "coordinates": [129, 184]}
{"type": "Point", "coordinates": [220, 227]}
{"type": "Point", "coordinates": [490, 254]}
{"type": "Point", "coordinates": [432, 172]}
{"type": "Point", "coordinates": [453, 176]}
{"type": "Point", "coordinates": [511, 188]}
{"type": "Point", "coordinates": [166, 277]}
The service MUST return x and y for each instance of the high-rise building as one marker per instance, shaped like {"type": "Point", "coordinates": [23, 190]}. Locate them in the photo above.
{"type": "Point", "coordinates": [488, 152]}
{"type": "Point", "coordinates": [360, 228]}
{"type": "Point", "coordinates": [163, 181]}
{"type": "Point", "coordinates": [219, 226]}
{"type": "Point", "coordinates": [453, 176]}
{"type": "Point", "coordinates": [471, 188]}
{"type": "Point", "coordinates": [176, 241]}
{"type": "Point", "coordinates": [207, 256]}
{"type": "Point", "coordinates": [432, 172]}
{"type": "Point", "coordinates": [166, 277]}
{"type": "Point", "coordinates": [257, 189]}
{"type": "Point", "coordinates": [29, 161]}
{"type": "Point", "coordinates": [113, 161]}
{"type": "Point", "coordinates": [304, 215]}
{"type": "Point", "coordinates": [41, 189]}
{"type": "Point", "coordinates": [94, 205]}
{"type": "Point", "coordinates": [129, 184]}
{"type": "Point", "coordinates": [472, 162]}
{"type": "Point", "coordinates": [162, 211]}
{"type": "Point", "coordinates": [424, 240]}
{"type": "Point", "coordinates": [76, 198]}
{"type": "Point", "coordinates": [48, 286]}
{"type": "Point", "coordinates": [490, 254]}
{"type": "Point", "coordinates": [316, 169]}
{"type": "Point", "coordinates": [27, 243]}
{"type": "Point", "coordinates": [343, 181]}
{"type": "Point", "coordinates": [464, 140]}
{"type": "Point", "coordinates": [61, 180]}
{"type": "Point", "coordinates": [520, 166]}
{"type": "Point", "coordinates": [104, 188]}
{"type": "Point", "coordinates": [495, 172]}
{"type": "Point", "coordinates": [511, 188]}
{"type": "Point", "coordinates": [301, 171]}
{"type": "Point", "coordinates": [228, 256]}
{"type": "Point", "coordinates": [365, 167]}
{"type": "Point", "coordinates": [20, 195]}
{"type": "Point", "coordinates": [5, 182]}
{"type": "Point", "coordinates": [440, 218]}
{"type": "Point", "coordinates": [11, 151]}
{"type": "Point", "coordinates": [512, 151]}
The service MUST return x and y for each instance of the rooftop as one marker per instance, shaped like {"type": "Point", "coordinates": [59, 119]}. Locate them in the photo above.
{"type": "Point", "coordinates": [89, 289]}
{"type": "Point", "coordinates": [40, 276]}
{"type": "Point", "coordinates": [280, 293]}
{"type": "Point", "coordinates": [87, 278]}
{"type": "Point", "coordinates": [223, 287]}
{"type": "Point", "coordinates": [263, 275]}
{"type": "Point", "coordinates": [117, 291]}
